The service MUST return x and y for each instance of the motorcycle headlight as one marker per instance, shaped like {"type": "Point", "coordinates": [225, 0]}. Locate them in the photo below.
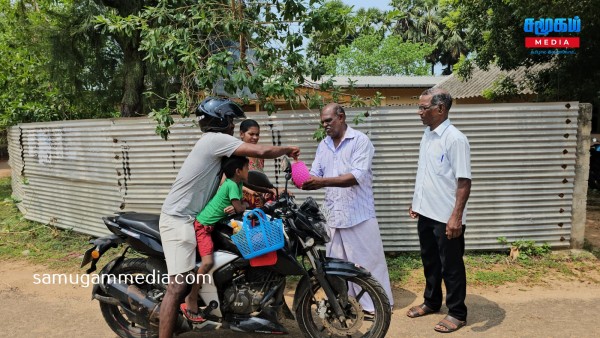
{"type": "Point", "coordinates": [312, 222]}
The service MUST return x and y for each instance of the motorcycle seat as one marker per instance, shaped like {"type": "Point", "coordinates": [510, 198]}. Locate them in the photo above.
{"type": "Point", "coordinates": [146, 223]}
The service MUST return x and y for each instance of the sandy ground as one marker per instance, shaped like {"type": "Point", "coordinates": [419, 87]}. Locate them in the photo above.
{"type": "Point", "coordinates": [559, 308]}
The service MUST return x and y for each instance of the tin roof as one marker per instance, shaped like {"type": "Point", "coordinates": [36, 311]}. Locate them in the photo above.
{"type": "Point", "coordinates": [387, 81]}
{"type": "Point", "coordinates": [481, 80]}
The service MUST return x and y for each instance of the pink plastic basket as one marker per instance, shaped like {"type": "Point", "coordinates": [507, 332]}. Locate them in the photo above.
{"type": "Point", "coordinates": [300, 174]}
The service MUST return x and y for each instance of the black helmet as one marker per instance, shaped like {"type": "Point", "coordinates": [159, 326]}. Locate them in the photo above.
{"type": "Point", "coordinates": [215, 114]}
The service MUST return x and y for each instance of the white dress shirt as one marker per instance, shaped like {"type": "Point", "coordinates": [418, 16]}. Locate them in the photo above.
{"type": "Point", "coordinates": [349, 206]}
{"type": "Point", "coordinates": [444, 156]}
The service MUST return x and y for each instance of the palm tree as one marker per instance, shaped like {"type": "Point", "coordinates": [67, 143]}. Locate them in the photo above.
{"type": "Point", "coordinates": [422, 22]}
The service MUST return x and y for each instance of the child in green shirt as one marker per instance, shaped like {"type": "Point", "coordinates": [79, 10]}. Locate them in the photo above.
{"type": "Point", "coordinates": [229, 194]}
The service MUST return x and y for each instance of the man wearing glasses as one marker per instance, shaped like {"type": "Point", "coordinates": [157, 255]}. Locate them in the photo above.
{"type": "Point", "coordinates": [442, 188]}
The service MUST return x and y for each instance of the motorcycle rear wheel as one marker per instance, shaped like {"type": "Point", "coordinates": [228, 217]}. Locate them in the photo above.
{"type": "Point", "coordinates": [313, 326]}
{"type": "Point", "coordinates": [115, 317]}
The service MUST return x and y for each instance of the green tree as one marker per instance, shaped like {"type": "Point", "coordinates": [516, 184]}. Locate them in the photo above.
{"type": "Point", "coordinates": [238, 48]}
{"type": "Point", "coordinates": [344, 24]}
{"type": "Point", "coordinates": [375, 55]}
{"type": "Point", "coordinates": [87, 63]}
{"type": "Point", "coordinates": [431, 22]}
{"type": "Point", "coordinates": [34, 86]}
{"type": "Point", "coordinates": [128, 38]}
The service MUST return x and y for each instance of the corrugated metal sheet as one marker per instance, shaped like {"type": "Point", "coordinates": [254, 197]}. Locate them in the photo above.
{"type": "Point", "coordinates": [75, 172]}
{"type": "Point", "coordinates": [523, 160]}
{"type": "Point", "coordinates": [518, 154]}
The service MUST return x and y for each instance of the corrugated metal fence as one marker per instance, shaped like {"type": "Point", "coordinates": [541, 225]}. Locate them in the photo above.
{"type": "Point", "coordinates": [71, 173]}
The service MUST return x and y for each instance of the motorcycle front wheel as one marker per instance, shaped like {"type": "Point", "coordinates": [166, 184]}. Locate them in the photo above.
{"type": "Point", "coordinates": [316, 318]}
{"type": "Point", "coordinates": [116, 318]}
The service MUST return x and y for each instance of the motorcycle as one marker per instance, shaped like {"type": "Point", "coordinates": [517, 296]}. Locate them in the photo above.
{"type": "Point", "coordinates": [239, 296]}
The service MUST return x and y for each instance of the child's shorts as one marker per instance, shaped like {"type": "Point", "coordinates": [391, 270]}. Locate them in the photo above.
{"type": "Point", "coordinates": [205, 243]}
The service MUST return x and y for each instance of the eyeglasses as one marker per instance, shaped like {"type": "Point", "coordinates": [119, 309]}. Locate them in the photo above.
{"type": "Point", "coordinates": [423, 108]}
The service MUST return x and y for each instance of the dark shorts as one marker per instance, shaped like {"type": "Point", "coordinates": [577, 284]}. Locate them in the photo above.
{"type": "Point", "coordinates": [205, 243]}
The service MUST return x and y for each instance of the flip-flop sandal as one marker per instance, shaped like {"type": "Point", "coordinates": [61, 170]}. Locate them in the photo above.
{"type": "Point", "coordinates": [193, 317]}
{"type": "Point", "coordinates": [420, 311]}
{"type": "Point", "coordinates": [449, 324]}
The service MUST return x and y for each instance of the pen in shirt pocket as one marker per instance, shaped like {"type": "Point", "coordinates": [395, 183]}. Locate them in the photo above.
{"type": "Point", "coordinates": [442, 159]}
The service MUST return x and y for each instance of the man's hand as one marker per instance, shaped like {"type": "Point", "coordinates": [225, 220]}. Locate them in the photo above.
{"type": "Point", "coordinates": [313, 183]}
{"type": "Point", "coordinates": [454, 227]}
{"type": "Point", "coordinates": [412, 214]}
{"type": "Point", "coordinates": [294, 152]}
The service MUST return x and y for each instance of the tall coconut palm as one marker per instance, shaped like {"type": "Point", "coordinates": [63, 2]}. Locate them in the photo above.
{"type": "Point", "coordinates": [422, 21]}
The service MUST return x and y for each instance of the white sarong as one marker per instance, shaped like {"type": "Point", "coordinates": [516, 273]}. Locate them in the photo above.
{"type": "Point", "coordinates": [361, 244]}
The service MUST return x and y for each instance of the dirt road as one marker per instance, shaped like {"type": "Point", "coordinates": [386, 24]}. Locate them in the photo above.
{"type": "Point", "coordinates": [558, 309]}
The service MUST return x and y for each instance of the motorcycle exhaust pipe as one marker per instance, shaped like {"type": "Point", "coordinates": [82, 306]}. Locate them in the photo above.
{"type": "Point", "coordinates": [139, 303]}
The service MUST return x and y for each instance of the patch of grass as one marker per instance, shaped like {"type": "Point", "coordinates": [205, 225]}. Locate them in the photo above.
{"type": "Point", "coordinates": [589, 247]}
{"type": "Point", "coordinates": [400, 266]}
{"type": "Point", "coordinates": [494, 278]}
{"type": "Point", "coordinates": [39, 243]}
{"type": "Point", "coordinates": [526, 248]}
{"type": "Point", "coordinates": [484, 259]}
{"type": "Point", "coordinates": [495, 269]}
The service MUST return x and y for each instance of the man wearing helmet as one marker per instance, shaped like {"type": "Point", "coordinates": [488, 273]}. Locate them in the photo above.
{"type": "Point", "coordinates": [196, 182]}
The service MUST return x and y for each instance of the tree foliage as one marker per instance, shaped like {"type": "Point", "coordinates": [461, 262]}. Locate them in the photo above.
{"type": "Point", "coordinates": [92, 58]}
{"type": "Point", "coordinates": [248, 49]}
{"type": "Point", "coordinates": [36, 86]}
{"type": "Point", "coordinates": [431, 22]}
{"type": "Point", "coordinates": [375, 55]}
{"type": "Point", "coordinates": [344, 24]}
{"type": "Point", "coordinates": [134, 69]}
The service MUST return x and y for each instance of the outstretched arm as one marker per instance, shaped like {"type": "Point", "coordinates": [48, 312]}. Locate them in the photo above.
{"type": "Point", "coordinates": [262, 151]}
{"type": "Point", "coordinates": [361, 159]}
{"type": "Point", "coordinates": [342, 181]}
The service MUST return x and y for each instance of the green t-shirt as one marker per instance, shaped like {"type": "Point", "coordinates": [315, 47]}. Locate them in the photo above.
{"type": "Point", "coordinates": [213, 211]}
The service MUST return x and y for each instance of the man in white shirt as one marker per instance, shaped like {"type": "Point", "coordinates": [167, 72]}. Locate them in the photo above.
{"type": "Point", "coordinates": [442, 188]}
{"type": "Point", "coordinates": [342, 166]}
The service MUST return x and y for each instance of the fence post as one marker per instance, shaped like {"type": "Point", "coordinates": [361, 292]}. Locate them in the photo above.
{"type": "Point", "coordinates": [582, 169]}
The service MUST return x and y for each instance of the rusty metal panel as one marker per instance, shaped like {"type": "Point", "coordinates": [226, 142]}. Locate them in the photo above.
{"type": "Point", "coordinates": [72, 173]}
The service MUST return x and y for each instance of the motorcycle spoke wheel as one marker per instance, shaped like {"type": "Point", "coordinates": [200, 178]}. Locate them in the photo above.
{"type": "Point", "coordinates": [117, 318]}
{"type": "Point", "coordinates": [316, 318]}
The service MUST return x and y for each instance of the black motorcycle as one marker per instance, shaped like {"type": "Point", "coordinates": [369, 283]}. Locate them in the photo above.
{"type": "Point", "coordinates": [237, 295]}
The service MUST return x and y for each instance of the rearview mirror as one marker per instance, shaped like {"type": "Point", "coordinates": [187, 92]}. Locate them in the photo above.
{"type": "Point", "coordinates": [286, 165]}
